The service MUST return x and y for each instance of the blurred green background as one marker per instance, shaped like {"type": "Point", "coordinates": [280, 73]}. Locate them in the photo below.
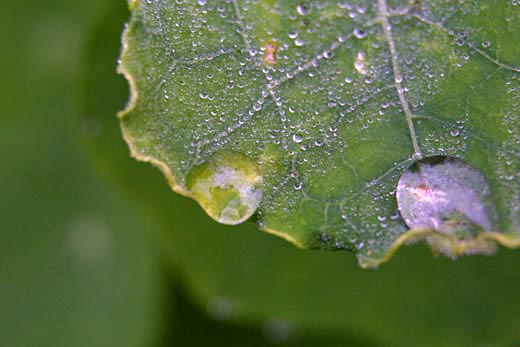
{"type": "Point", "coordinates": [96, 251]}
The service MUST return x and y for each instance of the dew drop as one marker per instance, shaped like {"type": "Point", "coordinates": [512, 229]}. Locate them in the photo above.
{"type": "Point", "coordinates": [297, 138]}
{"type": "Point", "coordinates": [303, 9]}
{"type": "Point", "coordinates": [459, 42]}
{"type": "Point", "coordinates": [328, 54]}
{"type": "Point", "coordinates": [204, 94]}
{"type": "Point", "coordinates": [292, 34]}
{"type": "Point", "coordinates": [360, 33]}
{"type": "Point", "coordinates": [228, 187]}
{"type": "Point", "coordinates": [447, 195]}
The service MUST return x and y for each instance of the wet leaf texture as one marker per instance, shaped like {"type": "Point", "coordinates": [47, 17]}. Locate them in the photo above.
{"type": "Point", "coordinates": [357, 125]}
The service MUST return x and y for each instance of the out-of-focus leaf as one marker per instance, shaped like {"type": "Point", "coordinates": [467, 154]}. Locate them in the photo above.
{"type": "Point", "coordinates": [75, 267]}
{"type": "Point", "coordinates": [195, 327]}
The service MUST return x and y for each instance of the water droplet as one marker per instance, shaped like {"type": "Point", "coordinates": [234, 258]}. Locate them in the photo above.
{"type": "Point", "coordinates": [298, 42]}
{"type": "Point", "coordinates": [455, 132]}
{"type": "Point", "coordinates": [447, 195]}
{"type": "Point", "coordinates": [228, 187]}
{"type": "Point", "coordinates": [303, 9]}
{"type": "Point", "coordinates": [201, 2]}
{"type": "Point", "coordinates": [292, 34]}
{"type": "Point", "coordinates": [204, 94]}
{"type": "Point", "coordinates": [328, 54]}
{"type": "Point", "coordinates": [360, 33]}
{"type": "Point", "coordinates": [297, 138]}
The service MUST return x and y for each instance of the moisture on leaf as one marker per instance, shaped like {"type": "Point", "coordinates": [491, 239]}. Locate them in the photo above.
{"type": "Point", "coordinates": [449, 196]}
{"type": "Point", "coordinates": [309, 114]}
{"type": "Point", "coordinates": [228, 187]}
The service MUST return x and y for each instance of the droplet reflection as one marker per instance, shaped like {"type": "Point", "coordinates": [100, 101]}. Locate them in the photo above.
{"type": "Point", "coordinates": [447, 195]}
{"type": "Point", "coordinates": [228, 187]}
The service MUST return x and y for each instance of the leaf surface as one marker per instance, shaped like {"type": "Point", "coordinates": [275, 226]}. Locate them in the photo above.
{"type": "Point", "coordinates": [306, 114]}
{"type": "Point", "coordinates": [416, 300]}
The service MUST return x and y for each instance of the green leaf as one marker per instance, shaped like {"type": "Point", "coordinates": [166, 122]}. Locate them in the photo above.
{"type": "Point", "coordinates": [329, 102]}
{"type": "Point", "coordinates": [416, 300]}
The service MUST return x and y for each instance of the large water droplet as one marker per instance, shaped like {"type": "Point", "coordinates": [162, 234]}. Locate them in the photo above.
{"type": "Point", "coordinates": [447, 195]}
{"type": "Point", "coordinates": [228, 187]}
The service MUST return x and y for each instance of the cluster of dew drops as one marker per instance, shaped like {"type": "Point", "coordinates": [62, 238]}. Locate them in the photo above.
{"type": "Point", "coordinates": [302, 10]}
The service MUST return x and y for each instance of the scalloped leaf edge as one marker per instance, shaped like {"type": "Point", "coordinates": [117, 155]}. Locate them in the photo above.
{"type": "Point", "coordinates": [485, 243]}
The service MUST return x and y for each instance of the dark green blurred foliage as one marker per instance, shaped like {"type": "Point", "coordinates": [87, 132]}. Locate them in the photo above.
{"type": "Point", "coordinates": [76, 268]}
{"type": "Point", "coordinates": [96, 251]}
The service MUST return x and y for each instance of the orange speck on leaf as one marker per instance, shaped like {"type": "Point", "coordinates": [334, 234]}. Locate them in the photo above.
{"type": "Point", "coordinates": [270, 49]}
